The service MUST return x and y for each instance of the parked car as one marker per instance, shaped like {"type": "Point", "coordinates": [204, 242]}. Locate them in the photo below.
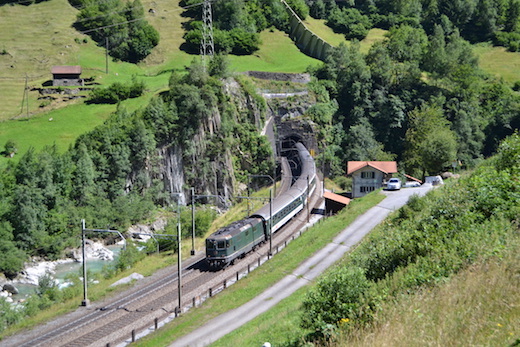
{"type": "Point", "coordinates": [393, 184]}
{"type": "Point", "coordinates": [434, 180]}
{"type": "Point", "coordinates": [412, 184]}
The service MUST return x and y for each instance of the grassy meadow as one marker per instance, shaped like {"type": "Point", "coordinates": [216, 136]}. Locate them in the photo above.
{"type": "Point", "coordinates": [498, 62]}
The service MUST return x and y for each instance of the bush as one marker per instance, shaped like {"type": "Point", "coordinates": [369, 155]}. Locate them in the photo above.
{"type": "Point", "coordinates": [203, 219]}
{"type": "Point", "coordinates": [10, 147]}
{"type": "Point", "coordinates": [300, 8]}
{"type": "Point", "coordinates": [244, 42]}
{"type": "Point", "coordinates": [350, 22]}
{"type": "Point", "coordinates": [132, 39]}
{"type": "Point", "coordinates": [117, 92]}
{"type": "Point", "coordinates": [344, 182]}
{"type": "Point", "coordinates": [128, 257]}
{"type": "Point", "coordinates": [10, 315]}
{"type": "Point", "coordinates": [336, 298]}
{"type": "Point", "coordinates": [509, 40]}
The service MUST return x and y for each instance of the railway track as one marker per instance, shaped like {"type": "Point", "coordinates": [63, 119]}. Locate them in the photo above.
{"type": "Point", "coordinates": [154, 299]}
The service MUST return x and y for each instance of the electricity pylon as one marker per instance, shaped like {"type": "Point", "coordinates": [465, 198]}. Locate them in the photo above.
{"type": "Point", "coordinates": [206, 45]}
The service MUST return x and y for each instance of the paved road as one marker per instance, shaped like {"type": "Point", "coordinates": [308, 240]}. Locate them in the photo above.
{"type": "Point", "coordinates": [306, 272]}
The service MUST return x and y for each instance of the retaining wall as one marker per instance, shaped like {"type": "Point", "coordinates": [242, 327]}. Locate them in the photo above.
{"type": "Point", "coordinates": [307, 41]}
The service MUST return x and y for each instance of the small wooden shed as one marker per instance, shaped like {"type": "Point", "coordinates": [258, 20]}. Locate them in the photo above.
{"type": "Point", "coordinates": [66, 75]}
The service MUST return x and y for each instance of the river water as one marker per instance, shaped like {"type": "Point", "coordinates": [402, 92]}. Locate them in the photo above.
{"type": "Point", "coordinates": [62, 270]}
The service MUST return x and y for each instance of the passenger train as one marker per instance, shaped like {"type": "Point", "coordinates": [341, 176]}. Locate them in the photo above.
{"type": "Point", "coordinates": [238, 238]}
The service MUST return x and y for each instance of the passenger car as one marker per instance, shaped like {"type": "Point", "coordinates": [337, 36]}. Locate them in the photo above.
{"type": "Point", "coordinates": [412, 184]}
{"type": "Point", "coordinates": [393, 184]}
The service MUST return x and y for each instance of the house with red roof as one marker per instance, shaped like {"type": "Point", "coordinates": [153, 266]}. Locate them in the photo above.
{"type": "Point", "coordinates": [368, 176]}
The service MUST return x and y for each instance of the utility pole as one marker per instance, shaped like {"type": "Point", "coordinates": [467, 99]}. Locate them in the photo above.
{"type": "Point", "coordinates": [106, 55]}
{"type": "Point", "coordinates": [270, 222]}
{"type": "Point", "coordinates": [192, 221]}
{"type": "Point", "coordinates": [86, 301]}
{"type": "Point", "coordinates": [179, 257]}
{"type": "Point", "coordinates": [25, 100]}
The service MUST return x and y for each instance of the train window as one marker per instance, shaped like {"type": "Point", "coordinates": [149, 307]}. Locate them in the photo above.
{"type": "Point", "coordinates": [228, 243]}
{"type": "Point", "coordinates": [221, 245]}
{"type": "Point", "coordinates": [210, 244]}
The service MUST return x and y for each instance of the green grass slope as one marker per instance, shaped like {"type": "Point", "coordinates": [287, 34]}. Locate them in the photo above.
{"type": "Point", "coordinates": [498, 62]}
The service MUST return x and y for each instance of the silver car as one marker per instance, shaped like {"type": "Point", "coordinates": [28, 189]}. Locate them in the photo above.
{"type": "Point", "coordinates": [393, 184]}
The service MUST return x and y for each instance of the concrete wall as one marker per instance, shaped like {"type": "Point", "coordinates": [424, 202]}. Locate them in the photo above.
{"type": "Point", "coordinates": [64, 82]}
{"type": "Point", "coordinates": [307, 41]}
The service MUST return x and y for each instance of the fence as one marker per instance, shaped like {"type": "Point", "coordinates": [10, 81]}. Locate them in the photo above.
{"type": "Point", "coordinates": [214, 290]}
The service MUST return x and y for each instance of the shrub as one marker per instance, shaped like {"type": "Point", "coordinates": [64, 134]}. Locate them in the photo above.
{"type": "Point", "coordinates": [10, 315]}
{"type": "Point", "coordinates": [350, 22]}
{"type": "Point", "coordinates": [244, 42]}
{"type": "Point", "coordinates": [509, 40]}
{"type": "Point", "coordinates": [344, 182]}
{"type": "Point", "coordinates": [10, 147]}
{"type": "Point", "coordinates": [203, 219]}
{"type": "Point", "coordinates": [117, 92]}
{"type": "Point", "coordinates": [336, 297]}
{"type": "Point", "coordinates": [128, 257]}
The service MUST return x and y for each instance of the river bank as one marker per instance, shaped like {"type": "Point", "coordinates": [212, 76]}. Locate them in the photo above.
{"type": "Point", "coordinates": [97, 256]}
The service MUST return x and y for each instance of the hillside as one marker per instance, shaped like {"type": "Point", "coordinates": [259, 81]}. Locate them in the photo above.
{"type": "Point", "coordinates": [416, 96]}
{"type": "Point", "coordinates": [28, 51]}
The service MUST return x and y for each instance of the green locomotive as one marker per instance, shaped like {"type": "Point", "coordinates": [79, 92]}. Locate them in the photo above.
{"type": "Point", "coordinates": [239, 238]}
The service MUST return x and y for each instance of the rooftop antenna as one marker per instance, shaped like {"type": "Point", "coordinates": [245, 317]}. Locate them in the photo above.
{"type": "Point", "coordinates": [206, 46]}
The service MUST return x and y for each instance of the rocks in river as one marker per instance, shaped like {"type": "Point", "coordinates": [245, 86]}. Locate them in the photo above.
{"type": "Point", "coordinates": [142, 232]}
{"type": "Point", "coordinates": [10, 288]}
{"type": "Point", "coordinates": [32, 272]}
{"type": "Point", "coordinates": [93, 250]}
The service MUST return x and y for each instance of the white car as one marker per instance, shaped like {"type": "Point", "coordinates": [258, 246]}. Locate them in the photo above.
{"type": "Point", "coordinates": [393, 184]}
{"type": "Point", "coordinates": [412, 184]}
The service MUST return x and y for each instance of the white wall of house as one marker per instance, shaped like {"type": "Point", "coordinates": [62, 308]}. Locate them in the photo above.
{"type": "Point", "coordinates": [366, 180]}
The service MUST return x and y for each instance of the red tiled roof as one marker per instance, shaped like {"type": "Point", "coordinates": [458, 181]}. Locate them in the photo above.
{"type": "Point", "coordinates": [66, 69]}
{"type": "Point", "coordinates": [413, 178]}
{"type": "Point", "coordinates": [336, 197]}
{"type": "Point", "coordinates": [383, 166]}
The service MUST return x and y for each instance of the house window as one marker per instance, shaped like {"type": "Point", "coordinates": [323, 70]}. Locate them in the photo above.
{"type": "Point", "coordinates": [368, 174]}
{"type": "Point", "coordinates": [364, 189]}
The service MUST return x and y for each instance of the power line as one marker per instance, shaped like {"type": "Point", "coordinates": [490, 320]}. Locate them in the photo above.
{"type": "Point", "coordinates": [112, 25]}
